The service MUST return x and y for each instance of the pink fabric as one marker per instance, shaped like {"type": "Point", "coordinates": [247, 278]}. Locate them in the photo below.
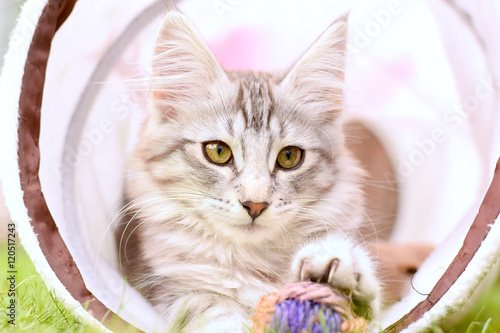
{"type": "Point", "coordinates": [241, 49]}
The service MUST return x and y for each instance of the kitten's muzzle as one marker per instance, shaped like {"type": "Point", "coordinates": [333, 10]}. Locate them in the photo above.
{"type": "Point", "coordinates": [254, 209]}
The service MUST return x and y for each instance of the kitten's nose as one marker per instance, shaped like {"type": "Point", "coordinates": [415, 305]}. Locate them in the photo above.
{"type": "Point", "coordinates": [254, 209]}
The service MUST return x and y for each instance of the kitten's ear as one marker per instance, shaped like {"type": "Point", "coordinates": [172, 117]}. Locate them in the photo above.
{"type": "Point", "coordinates": [184, 68]}
{"type": "Point", "coordinates": [318, 76]}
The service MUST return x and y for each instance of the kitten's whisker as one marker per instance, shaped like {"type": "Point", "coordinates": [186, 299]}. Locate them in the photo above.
{"type": "Point", "coordinates": [296, 229]}
{"type": "Point", "coordinates": [123, 233]}
{"type": "Point", "coordinates": [147, 220]}
{"type": "Point", "coordinates": [318, 215]}
{"type": "Point", "coordinates": [368, 219]}
{"type": "Point", "coordinates": [330, 220]}
{"type": "Point", "coordinates": [281, 229]}
{"type": "Point", "coordinates": [118, 215]}
{"type": "Point", "coordinates": [192, 189]}
{"type": "Point", "coordinates": [379, 184]}
{"type": "Point", "coordinates": [136, 213]}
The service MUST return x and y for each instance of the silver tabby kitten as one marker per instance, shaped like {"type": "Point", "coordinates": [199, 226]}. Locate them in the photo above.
{"type": "Point", "coordinates": [241, 182]}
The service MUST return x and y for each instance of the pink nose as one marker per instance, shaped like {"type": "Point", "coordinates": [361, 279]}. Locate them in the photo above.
{"type": "Point", "coordinates": [254, 209]}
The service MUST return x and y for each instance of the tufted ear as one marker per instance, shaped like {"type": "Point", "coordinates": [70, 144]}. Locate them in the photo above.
{"type": "Point", "coordinates": [184, 68]}
{"type": "Point", "coordinates": [318, 76]}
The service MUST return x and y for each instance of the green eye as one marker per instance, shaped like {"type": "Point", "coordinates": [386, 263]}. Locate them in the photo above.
{"type": "Point", "coordinates": [218, 152]}
{"type": "Point", "coordinates": [289, 157]}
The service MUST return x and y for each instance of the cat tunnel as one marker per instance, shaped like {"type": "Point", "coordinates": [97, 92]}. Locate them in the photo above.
{"type": "Point", "coordinates": [423, 76]}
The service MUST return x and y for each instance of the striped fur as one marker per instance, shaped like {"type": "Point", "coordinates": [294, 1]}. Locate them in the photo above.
{"type": "Point", "coordinates": [186, 241]}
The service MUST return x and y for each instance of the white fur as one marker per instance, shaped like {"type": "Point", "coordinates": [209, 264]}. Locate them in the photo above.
{"type": "Point", "coordinates": [206, 259]}
{"type": "Point", "coordinates": [352, 269]}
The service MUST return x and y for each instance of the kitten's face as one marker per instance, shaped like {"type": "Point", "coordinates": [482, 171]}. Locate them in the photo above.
{"type": "Point", "coordinates": [240, 155]}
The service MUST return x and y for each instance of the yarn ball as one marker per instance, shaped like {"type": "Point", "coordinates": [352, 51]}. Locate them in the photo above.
{"type": "Point", "coordinates": [306, 307]}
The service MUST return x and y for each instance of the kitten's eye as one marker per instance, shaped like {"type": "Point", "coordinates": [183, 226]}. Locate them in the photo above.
{"type": "Point", "coordinates": [289, 157]}
{"type": "Point", "coordinates": [218, 152]}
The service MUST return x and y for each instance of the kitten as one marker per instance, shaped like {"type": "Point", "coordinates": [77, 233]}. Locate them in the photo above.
{"type": "Point", "coordinates": [241, 182]}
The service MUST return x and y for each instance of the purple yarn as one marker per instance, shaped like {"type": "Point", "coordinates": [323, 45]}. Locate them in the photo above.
{"type": "Point", "coordinates": [294, 316]}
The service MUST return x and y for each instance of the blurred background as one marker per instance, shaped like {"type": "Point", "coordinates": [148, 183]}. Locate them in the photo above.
{"type": "Point", "coordinates": [395, 74]}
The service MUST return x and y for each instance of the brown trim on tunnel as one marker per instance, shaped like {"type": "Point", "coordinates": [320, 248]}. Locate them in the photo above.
{"type": "Point", "coordinates": [51, 242]}
{"type": "Point", "coordinates": [30, 103]}
{"type": "Point", "coordinates": [485, 218]}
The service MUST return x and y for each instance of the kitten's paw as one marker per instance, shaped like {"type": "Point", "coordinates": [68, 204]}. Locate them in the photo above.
{"type": "Point", "coordinates": [342, 265]}
{"type": "Point", "coordinates": [221, 318]}
{"type": "Point", "coordinates": [224, 325]}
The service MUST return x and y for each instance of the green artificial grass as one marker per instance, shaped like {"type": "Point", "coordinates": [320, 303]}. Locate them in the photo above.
{"type": "Point", "coordinates": [484, 315]}
{"type": "Point", "coordinates": [38, 311]}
